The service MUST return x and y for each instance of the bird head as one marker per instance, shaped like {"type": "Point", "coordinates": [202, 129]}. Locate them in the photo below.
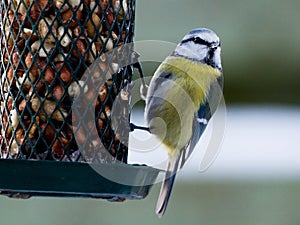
{"type": "Point", "coordinates": [201, 45]}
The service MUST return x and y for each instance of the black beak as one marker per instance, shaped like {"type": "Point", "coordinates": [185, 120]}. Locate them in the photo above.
{"type": "Point", "coordinates": [213, 46]}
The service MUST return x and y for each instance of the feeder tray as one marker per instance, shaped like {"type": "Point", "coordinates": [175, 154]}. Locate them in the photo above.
{"type": "Point", "coordinates": [47, 50]}
{"type": "Point", "coordinates": [21, 178]}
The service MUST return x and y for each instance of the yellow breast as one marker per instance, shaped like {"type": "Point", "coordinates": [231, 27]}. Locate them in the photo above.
{"type": "Point", "coordinates": [191, 86]}
{"type": "Point", "coordinates": [194, 77]}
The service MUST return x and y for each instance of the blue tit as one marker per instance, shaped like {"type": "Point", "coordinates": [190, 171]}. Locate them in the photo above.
{"type": "Point", "coordinates": [182, 96]}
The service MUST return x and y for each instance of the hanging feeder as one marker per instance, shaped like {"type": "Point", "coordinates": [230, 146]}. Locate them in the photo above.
{"type": "Point", "coordinates": [48, 48]}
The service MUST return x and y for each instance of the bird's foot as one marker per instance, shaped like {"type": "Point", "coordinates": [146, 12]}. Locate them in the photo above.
{"type": "Point", "coordinates": [135, 127]}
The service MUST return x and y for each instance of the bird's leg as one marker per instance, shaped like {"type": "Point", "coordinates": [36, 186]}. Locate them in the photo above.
{"type": "Point", "coordinates": [135, 127]}
{"type": "Point", "coordinates": [138, 66]}
{"type": "Point", "coordinates": [125, 123]}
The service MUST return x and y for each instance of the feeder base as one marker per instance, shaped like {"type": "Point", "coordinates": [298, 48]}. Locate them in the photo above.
{"type": "Point", "coordinates": [27, 178]}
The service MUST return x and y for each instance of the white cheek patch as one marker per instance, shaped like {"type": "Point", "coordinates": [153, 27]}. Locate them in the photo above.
{"type": "Point", "coordinates": [192, 51]}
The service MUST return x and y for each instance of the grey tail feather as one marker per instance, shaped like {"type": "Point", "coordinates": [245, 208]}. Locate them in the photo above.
{"type": "Point", "coordinates": [166, 187]}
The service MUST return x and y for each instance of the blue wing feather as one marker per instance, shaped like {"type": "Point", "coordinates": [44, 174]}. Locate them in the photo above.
{"type": "Point", "coordinates": [205, 112]}
{"type": "Point", "coordinates": [198, 127]}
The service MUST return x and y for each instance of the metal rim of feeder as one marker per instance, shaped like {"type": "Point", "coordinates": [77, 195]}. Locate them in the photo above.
{"type": "Point", "coordinates": [46, 48]}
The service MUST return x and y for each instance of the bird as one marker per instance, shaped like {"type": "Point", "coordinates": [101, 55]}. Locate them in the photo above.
{"type": "Point", "coordinates": [181, 98]}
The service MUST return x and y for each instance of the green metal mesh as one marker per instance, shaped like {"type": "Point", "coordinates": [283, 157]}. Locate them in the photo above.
{"type": "Point", "coordinates": [46, 48]}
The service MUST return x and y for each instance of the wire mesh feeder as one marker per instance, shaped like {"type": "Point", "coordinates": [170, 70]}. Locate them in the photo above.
{"type": "Point", "coordinates": [47, 47]}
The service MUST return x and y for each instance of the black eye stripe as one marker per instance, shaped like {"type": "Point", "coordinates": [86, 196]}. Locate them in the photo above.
{"type": "Point", "coordinates": [198, 40]}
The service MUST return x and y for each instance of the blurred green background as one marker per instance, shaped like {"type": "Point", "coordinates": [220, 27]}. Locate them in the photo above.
{"type": "Point", "coordinates": [260, 42]}
{"type": "Point", "coordinates": [261, 53]}
{"type": "Point", "coordinates": [191, 204]}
